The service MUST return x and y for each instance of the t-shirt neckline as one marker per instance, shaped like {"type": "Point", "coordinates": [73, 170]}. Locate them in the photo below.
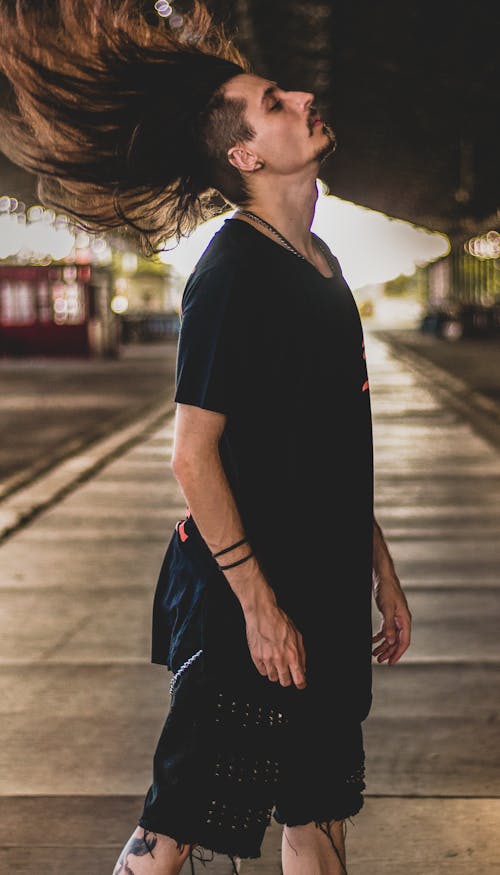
{"type": "Point", "coordinates": [275, 243]}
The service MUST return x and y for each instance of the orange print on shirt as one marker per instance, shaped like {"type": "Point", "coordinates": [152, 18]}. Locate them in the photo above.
{"type": "Point", "coordinates": [180, 529]}
{"type": "Point", "coordinates": [365, 385]}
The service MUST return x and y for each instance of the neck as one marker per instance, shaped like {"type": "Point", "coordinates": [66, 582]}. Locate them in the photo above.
{"type": "Point", "coordinates": [289, 208]}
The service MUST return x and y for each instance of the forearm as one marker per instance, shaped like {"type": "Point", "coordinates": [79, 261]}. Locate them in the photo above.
{"type": "Point", "coordinates": [383, 564]}
{"type": "Point", "coordinates": [207, 492]}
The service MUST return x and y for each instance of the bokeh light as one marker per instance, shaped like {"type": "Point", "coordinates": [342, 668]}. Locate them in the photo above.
{"type": "Point", "coordinates": [38, 234]}
{"type": "Point", "coordinates": [484, 247]}
{"type": "Point", "coordinates": [119, 304]}
{"type": "Point", "coordinates": [163, 8]}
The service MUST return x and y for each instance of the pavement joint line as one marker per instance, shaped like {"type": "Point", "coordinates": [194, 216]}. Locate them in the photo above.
{"type": "Point", "coordinates": [475, 407]}
{"type": "Point", "coordinates": [80, 663]}
{"type": "Point", "coordinates": [127, 796]}
{"type": "Point", "coordinates": [66, 637]}
{"type": "Point", "coordinates": [413, 662]}
{"type": "Point", "coordinates": [22, 506]}
{"type": "Point", "coordinates": [70, 449]}
{"type": "Point", "coordinates": [23, 478]}
{"type": "Point", "coordinates": [76, 847]}
{"type": "Point", "coordinates": [428, 796]}
{"type": "Point", "coordinates": [423, 587]}
{"type": "Point", "coordinates": [449, 381]}
{"type": "Point", "coordinates": [450, 587]}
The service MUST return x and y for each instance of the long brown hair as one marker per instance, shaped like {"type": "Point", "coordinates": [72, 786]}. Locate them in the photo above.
{"type": "Point", "coordinates": [111, 110]}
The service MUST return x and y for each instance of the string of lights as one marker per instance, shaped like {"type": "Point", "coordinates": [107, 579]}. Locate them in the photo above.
{"type": "Point", "coordinates": [39, 235]}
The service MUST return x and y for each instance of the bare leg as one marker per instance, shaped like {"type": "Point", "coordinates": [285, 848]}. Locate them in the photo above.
{"type": "Point", "coordinates": [150, 853]}
{"type": "Point", "coordinates": [310, 849]}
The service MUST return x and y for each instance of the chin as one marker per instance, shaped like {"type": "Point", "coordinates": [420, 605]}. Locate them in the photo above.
{"type": "Point", "coordinates": [329, 147]}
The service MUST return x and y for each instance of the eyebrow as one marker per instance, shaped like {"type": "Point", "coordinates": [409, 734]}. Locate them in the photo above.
{"type": "Point", "coordinates": [268, 92]}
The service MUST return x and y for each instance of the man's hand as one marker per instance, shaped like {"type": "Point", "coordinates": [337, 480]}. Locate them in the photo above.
{"type": "Point", "coordinates": [276, 646]}
{"type": "Point", "coordinates": [396, 625]}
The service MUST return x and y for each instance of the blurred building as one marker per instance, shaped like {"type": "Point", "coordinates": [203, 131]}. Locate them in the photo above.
{"type": "Point", "coordinates": [64, 292]}
{"type": "Point", "coordinates": [463, 290]}
{"type": "Point", "coordinates": [150, 296]}
{"type": "Point", "coordinates": [56, 310]}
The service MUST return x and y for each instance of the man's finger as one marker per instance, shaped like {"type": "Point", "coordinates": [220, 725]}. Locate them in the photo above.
{"type": "Point", "coordinates": [272, 671]}
{"type": "Point", "coordinates": [260, 665]}
{"type": "Point", "coordinates": [302, 652]}
{"type": "Point", "coordinates": [386, 650]}
{"type": "Point", "coordinates": [403, 644]}
{"type": "Point", "coordinates": [284, 677]}
{"type": "Point", "coordinates": [298, 676]}
{"type": "Point", "coordinates": [390, 630]}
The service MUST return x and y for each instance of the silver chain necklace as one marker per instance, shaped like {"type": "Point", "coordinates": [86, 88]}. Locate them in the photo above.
{"type": "Point", "coordinates": [286, 243]}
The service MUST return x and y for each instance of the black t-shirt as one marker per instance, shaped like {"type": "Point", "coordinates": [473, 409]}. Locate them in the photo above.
{"type": "Point", "coordinates": [278, 348]}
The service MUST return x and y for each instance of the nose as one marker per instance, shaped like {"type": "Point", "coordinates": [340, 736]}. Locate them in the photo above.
{"type": "Point", "coordinates": [302, 99]}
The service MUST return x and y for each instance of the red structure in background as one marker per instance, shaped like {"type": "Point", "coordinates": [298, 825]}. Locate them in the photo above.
{"type": "Point", "coordinates": [56, 310]}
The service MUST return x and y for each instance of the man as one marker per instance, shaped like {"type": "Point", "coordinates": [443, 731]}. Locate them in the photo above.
{"type": "Point", "coordinates": [263, 605]}
{"type": "Point", "coordinates": [274, 446]}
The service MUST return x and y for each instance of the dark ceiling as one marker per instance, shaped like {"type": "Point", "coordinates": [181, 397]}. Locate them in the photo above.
{"type": "Point", "coordinates": [411, 89]}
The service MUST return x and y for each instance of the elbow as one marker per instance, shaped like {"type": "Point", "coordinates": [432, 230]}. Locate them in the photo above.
{"type": "Point", "coordinates": [186, 466]}
{"type": "Point", "coordinates": [183, 472]}
{"type": "Point", "coordinates": [179, 465]}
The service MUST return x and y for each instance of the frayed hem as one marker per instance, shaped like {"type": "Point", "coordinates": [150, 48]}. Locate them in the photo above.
{"type": "Point", "coordinates": [352, 811]}
{"type": "Point", "coordinates": [196, 849]}
{"type": "Point", "coordinates": [196, 853]}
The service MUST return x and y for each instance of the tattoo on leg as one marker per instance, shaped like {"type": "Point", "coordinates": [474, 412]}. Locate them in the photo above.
{"type": "Point", "coordinates": [137, 846]}
{"type": "Point", "coordinates": [151, 843]}
{"type": "Point", "coordinates": [326, 829]}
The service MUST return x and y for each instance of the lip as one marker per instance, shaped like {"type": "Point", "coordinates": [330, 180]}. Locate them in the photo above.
{"type": "Point", "coordinates": [318, 121]}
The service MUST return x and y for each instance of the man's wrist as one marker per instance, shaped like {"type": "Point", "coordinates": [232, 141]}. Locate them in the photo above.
{"type": "Point", "coordinates": [250, 586]}
{"type": "Point", "coordinates": [385, 577]}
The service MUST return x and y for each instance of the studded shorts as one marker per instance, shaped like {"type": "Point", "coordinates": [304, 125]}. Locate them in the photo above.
{"type": "Point", "coordinates": [229, 758]}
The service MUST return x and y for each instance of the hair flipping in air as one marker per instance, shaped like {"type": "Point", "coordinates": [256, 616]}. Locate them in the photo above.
{"type": "Point", "coordinates": [122, 118]}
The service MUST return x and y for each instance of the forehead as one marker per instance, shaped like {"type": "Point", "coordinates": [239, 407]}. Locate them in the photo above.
{"type": "Point", "coordinates": [249, 87]}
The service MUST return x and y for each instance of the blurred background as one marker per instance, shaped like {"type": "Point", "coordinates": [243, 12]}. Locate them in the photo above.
{"type": "Point", "coordinates": [410, 204]}
{"type": "Point", "coordinates": [410, 201]}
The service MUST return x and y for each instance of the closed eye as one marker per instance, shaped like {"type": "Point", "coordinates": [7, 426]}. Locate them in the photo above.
{"type": "Point", "coordinates": [276, 106]}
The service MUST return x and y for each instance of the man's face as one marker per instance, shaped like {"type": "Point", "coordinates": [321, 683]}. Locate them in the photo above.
{"type": "Point", "coordinates": [290, 135]}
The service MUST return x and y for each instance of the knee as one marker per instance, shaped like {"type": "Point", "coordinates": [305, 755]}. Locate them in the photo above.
{"type": "Point", "coordinates": [315, 834]}
{"type": "Point", "coordinates": [314, 825]}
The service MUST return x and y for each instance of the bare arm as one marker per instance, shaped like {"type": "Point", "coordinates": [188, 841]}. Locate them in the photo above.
{"type": "Point", "coordinates": [391, 601]}
{"type": "Point", "coordinates": [275, 644]}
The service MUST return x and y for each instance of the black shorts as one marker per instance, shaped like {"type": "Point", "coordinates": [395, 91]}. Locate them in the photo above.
{"type": "Point", "coordinates": [230, 757]}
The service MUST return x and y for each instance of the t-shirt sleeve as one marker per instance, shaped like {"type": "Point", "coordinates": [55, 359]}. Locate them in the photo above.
{"type": "Point", "coordinates": [207, 358]}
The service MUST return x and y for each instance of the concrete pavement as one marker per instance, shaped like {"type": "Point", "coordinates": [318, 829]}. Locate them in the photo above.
{"type": "Point", "coordinates": [53, 408]}
{"type": "Point", "coordinates": [82, 706]}
{"type": "Point", "coordinates": [464, 374]}
{"type": "Point", "coordinates": [475, 360]}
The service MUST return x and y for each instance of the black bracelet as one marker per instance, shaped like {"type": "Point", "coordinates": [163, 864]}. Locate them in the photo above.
{"type": "Point", "coordinates": [227, 549]}
{"type": "Point", "coordinates": [223, 567]}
